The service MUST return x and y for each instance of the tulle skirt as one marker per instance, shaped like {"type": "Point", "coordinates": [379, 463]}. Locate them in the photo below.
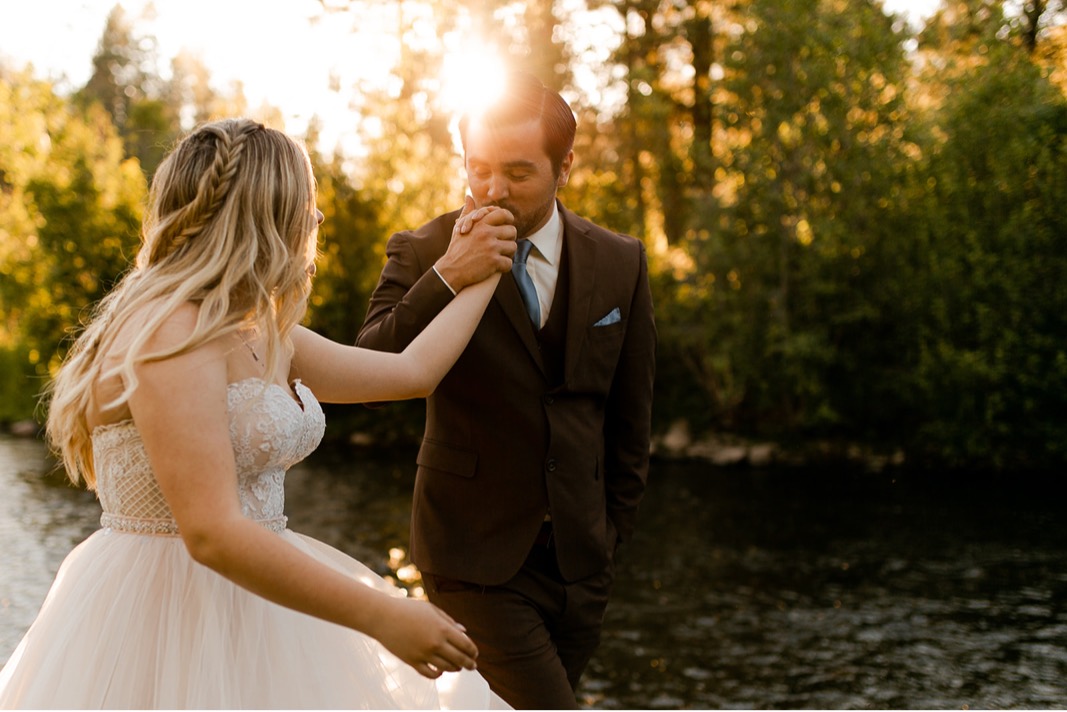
{"type": "Point", "coordinates": [132, 622]}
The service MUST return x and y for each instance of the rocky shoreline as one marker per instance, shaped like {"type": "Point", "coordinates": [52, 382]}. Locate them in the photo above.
{"type": "Point", "coordinates": [723, 450]}
{"type": "Point", "coordinates": [678, 443]}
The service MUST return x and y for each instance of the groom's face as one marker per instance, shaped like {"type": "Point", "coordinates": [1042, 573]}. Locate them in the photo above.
{"type": "Point", "coordinates": [507, 166]}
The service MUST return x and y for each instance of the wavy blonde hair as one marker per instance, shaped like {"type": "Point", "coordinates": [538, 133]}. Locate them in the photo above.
{"type": "Point", "coordinates": [230, 226]}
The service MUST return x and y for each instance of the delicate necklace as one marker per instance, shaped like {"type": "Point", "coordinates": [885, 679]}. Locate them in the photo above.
{"type": "Point", "coordinates": [255, 356]}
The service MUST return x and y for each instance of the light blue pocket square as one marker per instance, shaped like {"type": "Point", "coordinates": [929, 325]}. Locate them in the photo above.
{"type": "Point", "coordinates": [612, 317]}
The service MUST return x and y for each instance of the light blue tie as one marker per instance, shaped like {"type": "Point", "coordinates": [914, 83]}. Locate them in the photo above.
{"type": "Point", "coordinates": [525, 284]}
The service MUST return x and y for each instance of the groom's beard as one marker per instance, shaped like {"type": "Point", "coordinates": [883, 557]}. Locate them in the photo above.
{"type": "Point", "coordinates": [527, 223]}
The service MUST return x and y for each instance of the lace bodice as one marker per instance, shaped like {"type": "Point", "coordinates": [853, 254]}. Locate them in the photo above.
{"type": "Point", "coordinates": [269, 430]}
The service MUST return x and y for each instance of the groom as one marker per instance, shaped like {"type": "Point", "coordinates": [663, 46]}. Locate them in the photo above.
{"type": "Point", "coordinates": [535, 454]}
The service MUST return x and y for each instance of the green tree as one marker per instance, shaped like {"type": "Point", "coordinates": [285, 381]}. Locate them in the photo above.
{"type": "Point", "coordinates": [993, 368]}
{"type": "Point", "coordinates": [772, 295]}
{"type": "Point", "coordinates": [69, 217]}
{"type": "Point", "coordinates": [125, 82]}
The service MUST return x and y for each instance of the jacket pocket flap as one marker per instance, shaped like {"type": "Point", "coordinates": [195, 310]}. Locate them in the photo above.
{"type": "Point", "coordinates": [441, 456]}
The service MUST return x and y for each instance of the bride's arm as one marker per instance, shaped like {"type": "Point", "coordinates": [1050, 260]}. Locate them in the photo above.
{"type": "Point", "coordinates": [180, 410]}
{"type": "Point", "coordinates": [337, 373]}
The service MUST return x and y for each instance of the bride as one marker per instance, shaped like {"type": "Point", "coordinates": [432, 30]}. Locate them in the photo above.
{"type": "Point", "coordinates": [182, 404]}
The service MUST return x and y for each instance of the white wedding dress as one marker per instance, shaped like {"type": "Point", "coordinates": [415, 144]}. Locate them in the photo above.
{"type": "Point", "coordinates": [132, 622]}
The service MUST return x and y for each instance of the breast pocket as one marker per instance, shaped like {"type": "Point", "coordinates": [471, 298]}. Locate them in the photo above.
{"type": "Point", "coordinates": [596, 368]}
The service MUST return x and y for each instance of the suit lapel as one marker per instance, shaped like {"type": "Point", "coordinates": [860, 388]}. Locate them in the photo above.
{"type": "Point", "coordinates": [581, 250]}
{"type": "Point", "coordinates": [507, 295]}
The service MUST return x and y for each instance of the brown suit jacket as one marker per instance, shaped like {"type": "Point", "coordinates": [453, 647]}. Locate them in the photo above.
{"type": "Point", "coordinates": [502, 446]}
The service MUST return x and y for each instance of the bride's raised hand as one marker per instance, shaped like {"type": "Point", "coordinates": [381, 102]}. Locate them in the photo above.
{"type": "Point", "coordinates": [424, 637]}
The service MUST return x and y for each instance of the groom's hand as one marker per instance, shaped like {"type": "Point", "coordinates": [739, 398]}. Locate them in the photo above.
{"type": "Point", "coordinates": [483, 241]}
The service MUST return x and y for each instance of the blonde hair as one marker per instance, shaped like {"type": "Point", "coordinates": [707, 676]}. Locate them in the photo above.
{"type": "Point", "coordinates": [230, 226]}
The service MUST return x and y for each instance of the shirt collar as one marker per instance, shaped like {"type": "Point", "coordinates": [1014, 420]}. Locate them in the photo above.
{"type": "Point", "coordinates": [547, 238]}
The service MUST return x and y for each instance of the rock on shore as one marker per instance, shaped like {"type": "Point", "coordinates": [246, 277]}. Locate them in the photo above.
{"type": "Point", "coordinates": [734, 451]}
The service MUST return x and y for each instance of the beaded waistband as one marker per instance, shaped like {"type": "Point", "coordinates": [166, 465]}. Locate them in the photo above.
{"type": "Point", "coordinates": [167, 527]}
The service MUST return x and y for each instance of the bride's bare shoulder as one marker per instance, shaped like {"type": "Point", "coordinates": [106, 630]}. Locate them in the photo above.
{"type": "Point", "coordinates": [160, 331]}
{"type": "Point", "coordinates": [174, 325]}
{"type": "Point", "coordinates": [157, 327]}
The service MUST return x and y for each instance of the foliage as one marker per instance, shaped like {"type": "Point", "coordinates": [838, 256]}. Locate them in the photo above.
{"type": "Point", "coordinates": [126, 84]}
{"type": "Point", "coordinates": [70, 211]}
{"type": "Point", "coordinates": [993, 368]}
{"type": "Point", "coordinates": [150, 112]}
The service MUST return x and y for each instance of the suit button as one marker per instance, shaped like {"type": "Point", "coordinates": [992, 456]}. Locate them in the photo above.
{"type": "Point", "coordinates": [549, 400]}
{"type": "Point", "coordinates": [551, 465]}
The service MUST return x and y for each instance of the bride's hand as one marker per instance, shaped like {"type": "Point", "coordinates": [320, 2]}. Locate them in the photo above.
{"type": "Point", "coordinates": [425, 637]}
{"type": "Point", "coordinates": [482, 243]}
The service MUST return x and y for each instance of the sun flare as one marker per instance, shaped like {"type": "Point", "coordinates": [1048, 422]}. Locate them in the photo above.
{"type": "Point", "coordinates": [471, 78]}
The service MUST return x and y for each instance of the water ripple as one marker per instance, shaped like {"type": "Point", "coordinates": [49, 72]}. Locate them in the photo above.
{"type": "Point", "coordinates": [740, 590]}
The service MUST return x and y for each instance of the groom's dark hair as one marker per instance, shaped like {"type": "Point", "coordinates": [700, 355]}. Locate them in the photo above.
{"type": "Point", "coordinates": [523, 98]}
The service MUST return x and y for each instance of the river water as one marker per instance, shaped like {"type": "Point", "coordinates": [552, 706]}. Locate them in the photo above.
{"type": "Point", "coordinates": [778, 589]}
